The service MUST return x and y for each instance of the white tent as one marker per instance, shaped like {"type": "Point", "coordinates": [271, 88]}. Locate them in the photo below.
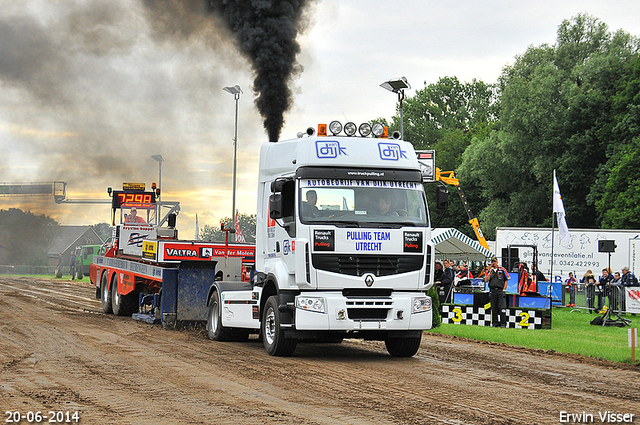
{"type": "Point", "coordinates": [454, 245]}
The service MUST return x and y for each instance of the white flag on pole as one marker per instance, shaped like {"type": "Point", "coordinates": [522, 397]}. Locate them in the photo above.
{"type": "Point", "coordinates": [558, 208]}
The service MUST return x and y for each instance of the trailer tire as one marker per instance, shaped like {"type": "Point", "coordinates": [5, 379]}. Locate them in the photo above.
{"type": "Point", "coordinates": [215, 330]}
{"type": "Point", "coordinates": [273, 336]}
{"type": "Point", "coordinates": [106, 293]}
{"type": "Point", "coordinates": [402, 347]}
{"type": "Point", "coordinates": [122, 305]}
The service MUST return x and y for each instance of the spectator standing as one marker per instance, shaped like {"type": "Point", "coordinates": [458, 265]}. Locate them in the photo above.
{"type": "Point", "coordinates": [571, 283]}
{"type": "Point", "coordinates": [498, 279]}
{"type": "Point", "coordinates": [589, 281]}
{"type": "Point", "coordinates": [603, 286]}
{"type": "Point", "coordinates": [72, 265]}
{"type": "Point", "coordinates": [628, 278]}
{"type": "Point", "coordinates": [60, 265]}
{"type": "Point", "coordinates": [617, 292]}
{"type": "Point", "coordinates": [438, 272]}
{"type": "Point", "coordinates": [448, 277]}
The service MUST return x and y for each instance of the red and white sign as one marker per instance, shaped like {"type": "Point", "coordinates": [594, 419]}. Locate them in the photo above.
{"type": "Point", "coordinates": [179, 251]}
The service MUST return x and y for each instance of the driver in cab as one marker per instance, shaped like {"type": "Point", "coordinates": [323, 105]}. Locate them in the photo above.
{"type": "Point", "coordinates": [309, 208]}
{"type": "Point", "coordinates": [384, 207]}
{"type": "Point", "coordinates": [133, 217]}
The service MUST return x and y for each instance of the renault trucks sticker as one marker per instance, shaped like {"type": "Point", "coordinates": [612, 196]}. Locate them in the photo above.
{"type": "Point", "coordinates": [412, 242]}
{"type": "Point", "coordinates": [330, 149]}
{"type": "Point", "coordinates": [391, 151]}
{"type": "Point", "coordinates": [324, 240]}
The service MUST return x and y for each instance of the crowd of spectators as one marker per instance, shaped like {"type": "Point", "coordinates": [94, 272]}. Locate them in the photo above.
{"type": "Point", "coordinates": [610, 285]}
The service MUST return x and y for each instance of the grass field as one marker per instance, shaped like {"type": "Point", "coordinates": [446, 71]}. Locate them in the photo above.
{"type": "Point", "coordinates": [571, 332]}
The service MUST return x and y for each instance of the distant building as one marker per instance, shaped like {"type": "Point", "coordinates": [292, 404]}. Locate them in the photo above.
{"type": "Point", "coordinates": [69, 237]}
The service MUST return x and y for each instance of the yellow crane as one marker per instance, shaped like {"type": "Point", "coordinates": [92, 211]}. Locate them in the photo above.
{"type": "Point", "coordinates": [449, 178]}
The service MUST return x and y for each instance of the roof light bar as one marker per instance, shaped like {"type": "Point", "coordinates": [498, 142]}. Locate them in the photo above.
{"type": "Point", "coordinates": [335, 127]}
{"type": "Point", "coordinates": [377, 129]}
{"type": "Point", "coordinates": [350, 129]}
{"type": "Point", "coordinates": [364, 130]}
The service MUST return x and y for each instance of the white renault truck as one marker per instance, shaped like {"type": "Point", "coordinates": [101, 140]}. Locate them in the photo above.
{"type": "Point", "coordinates": [342, 247]}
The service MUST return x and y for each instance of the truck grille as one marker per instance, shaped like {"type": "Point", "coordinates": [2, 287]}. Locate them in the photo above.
{"type": "Point", "coordinates": [357, 265]}
{"type": "Point", "coordinates": [367, 313]}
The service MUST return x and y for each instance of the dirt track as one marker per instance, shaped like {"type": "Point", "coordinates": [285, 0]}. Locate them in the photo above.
{"type": "Point", "coordinates": [58, 352]}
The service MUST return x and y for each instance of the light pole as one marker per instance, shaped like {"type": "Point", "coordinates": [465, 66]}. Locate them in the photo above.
{"type": "Point", "coordinates": [235, 91]}
{"type": "Point", "coordinates": [160, 159]}
{"type": "Point", "coordinates": [398, 86]}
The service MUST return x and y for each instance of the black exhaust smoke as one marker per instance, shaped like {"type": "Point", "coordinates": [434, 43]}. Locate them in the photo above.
{"type": "Point", "coordinates": [266, 31]}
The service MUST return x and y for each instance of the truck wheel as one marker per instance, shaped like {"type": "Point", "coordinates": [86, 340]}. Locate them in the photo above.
{"type": "Point", "coordinates": [214, 320]}
{"type": "Point", "coordinates": [106, 294]}
{"type": "Point", "coordinates": [216, 331]}
{"type": "Point", "coordinates": [402, 347]}
{"type": "Point", "coordinates": [272, 334]}
{"type": "Point", "coordinates": [122, 305]}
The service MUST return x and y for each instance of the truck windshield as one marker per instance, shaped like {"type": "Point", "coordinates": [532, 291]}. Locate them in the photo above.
{"type": "Point", "coordinates": [360, 202]}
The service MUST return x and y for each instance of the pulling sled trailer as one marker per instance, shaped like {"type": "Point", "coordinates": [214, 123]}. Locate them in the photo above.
{"type": "Point", "coordinates": [145, 271]}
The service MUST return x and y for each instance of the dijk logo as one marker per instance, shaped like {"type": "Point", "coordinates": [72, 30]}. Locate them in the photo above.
{"type": "Point", "coordinates": [391, 152]}
{"type": "Point", "coordinates": [330, 149]}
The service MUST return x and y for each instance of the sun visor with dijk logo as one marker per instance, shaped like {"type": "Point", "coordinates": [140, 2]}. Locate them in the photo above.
{"type": "Point", "coordinates": [412, 242]}
{"type": "Point", "coordinates": [324, 240]}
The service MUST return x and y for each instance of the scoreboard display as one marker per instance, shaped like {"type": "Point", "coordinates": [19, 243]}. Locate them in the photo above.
{"type": "Point", "coordinates": [133, 198]}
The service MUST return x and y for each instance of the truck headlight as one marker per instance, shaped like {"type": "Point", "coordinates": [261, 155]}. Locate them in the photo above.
{"type": "Point", "coordinates": [421, 304]}
{"type": "Point", "coordinates": [316, 304]}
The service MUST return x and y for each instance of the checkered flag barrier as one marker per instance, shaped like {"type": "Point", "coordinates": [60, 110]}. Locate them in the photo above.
{"type": "Point", "coordinates": [516, 317]}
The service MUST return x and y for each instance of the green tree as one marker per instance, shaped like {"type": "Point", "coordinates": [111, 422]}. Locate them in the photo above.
{"type": "Point", "coordinates": [617, 197]}
{"type": "Point", "coordinates": [26, 236]}
{"type": "Point", "coordinates": [556, 112]}
{"type": "Point", "coordinates": [247, 225]}
{"type": "Point", "coordinates": [103, 230]}
{"type": "Point", "coordinates": [445, 116]}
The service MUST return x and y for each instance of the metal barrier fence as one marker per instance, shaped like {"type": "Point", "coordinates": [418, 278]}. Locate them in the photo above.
{"type": "Point", "coordinates": [593, 298]}
{"type": "Point", "coordinates": [32, 270]}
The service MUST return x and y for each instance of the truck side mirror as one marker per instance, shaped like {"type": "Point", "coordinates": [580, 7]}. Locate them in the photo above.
{"type": "Point", "coordinates": [275, 206]}
{"type": "Point", "coordinates": [442, 197]}
{"type": "Point", "coordinates": [277, 185]}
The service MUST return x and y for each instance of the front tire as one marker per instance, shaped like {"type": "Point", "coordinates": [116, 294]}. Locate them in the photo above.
{"type": "Point", "coordinates": [214, 320]}
{"type": "Point", "coordinates": [403, 347]}
{"type": "Point", "coordinates": [106, 294]}
{"type": "Point", "coordinates": [215, 330]}
{"type": "Point", "coordinates": [272, 334]}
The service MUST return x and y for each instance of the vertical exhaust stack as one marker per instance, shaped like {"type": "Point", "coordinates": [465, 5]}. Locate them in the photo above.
{"type": "Point", "coordinates": [265, 32]}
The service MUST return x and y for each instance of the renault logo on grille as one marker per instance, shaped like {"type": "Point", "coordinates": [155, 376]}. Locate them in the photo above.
{"type": "Point", "coordinates": [368, 279]}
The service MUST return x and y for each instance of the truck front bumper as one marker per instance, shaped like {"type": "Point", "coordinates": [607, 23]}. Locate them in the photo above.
{"type": "Point", "coordinates": [339, 313]}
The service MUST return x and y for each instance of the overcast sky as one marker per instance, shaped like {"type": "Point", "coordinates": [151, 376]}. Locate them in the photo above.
{"type": "Point", "coordinates": [91, 89]}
